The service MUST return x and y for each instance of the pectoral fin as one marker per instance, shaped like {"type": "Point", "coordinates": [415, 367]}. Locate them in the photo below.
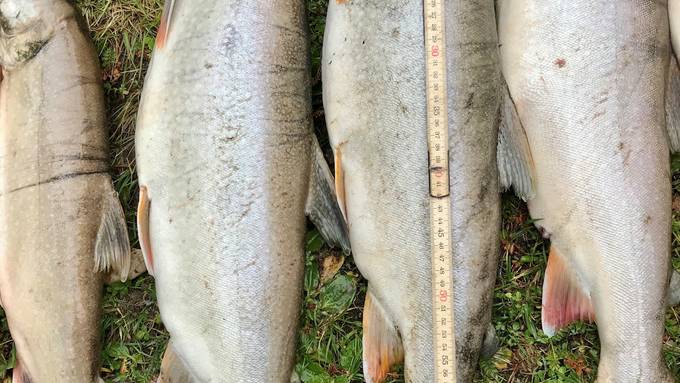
{"type": "Point", "coordinates": [322, 204]}
{"type": "Point", "coordinates": [112, 249]}
{"type": "Point", "coordinates": [515, 162]}
{"type": "Point", "coordinates": [143, 211]}
{"type": "Point", "coordinates": [673, 105]}
{"type": "Point", "coordinates": [166, 23]}
{"type": "Point", "coordinates": [173, 369]}
{"type": "Point", "coordinates": [564, 301]}
{"type": "Point", "coordinates": [382, 345]}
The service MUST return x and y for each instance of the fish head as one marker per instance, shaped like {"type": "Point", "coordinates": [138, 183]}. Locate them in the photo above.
{"type": "Point", "coordinates": [26, 26]}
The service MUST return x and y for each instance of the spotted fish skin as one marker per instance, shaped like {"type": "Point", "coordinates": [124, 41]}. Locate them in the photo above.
{"type": "Point", "coordinates": [225, 151]}
{"type": "Point", "coordinates": [60, 220]}
{"type": "Point", "coordinates": [587, 80]}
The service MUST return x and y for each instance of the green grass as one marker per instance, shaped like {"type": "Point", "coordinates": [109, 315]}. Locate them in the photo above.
{"type": "Point", "coordinates": [329, 347]}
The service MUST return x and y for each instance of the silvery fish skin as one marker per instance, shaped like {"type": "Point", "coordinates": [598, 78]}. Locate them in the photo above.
{"type": "Point", "coordinates": [61, 220]}
{"type": "Point", "coordinates": [587, 79]}
{"type": "Point", "coordinates": [674, 17]}
{"type": "Point", "coordinates": [374, 95]}
{"type": "Point", "coordinates": [224, 153]}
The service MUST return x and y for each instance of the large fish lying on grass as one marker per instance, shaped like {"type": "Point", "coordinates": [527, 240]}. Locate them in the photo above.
{"type": "Point", "coordinates": [374, 94]}
{"type": "Point", "coordinates": [584, 142]}
{"type": "Point", "coordinates": [228, 165]}
{"type": "Point", "coordinates": [61, 222]}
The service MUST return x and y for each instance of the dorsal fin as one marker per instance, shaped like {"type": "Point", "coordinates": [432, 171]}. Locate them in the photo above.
{"type": "Point", "coordinates": [564, 301]}
{"type": "Point", "coordinates": [166, 21]}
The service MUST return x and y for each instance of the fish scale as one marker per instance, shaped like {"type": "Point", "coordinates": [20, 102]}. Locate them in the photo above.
{"type": "Point", "coordinates": [62, 224]}
{"type": "Point", "coordinates": [375, 104]}
{"type": "Point", "coordinates": [587, 81]}
{"type": "Point", "coordinates": [228, 166]}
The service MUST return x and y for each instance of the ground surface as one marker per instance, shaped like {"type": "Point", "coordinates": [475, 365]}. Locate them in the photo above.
{"type": "Point", "coordinates": [329, 348]}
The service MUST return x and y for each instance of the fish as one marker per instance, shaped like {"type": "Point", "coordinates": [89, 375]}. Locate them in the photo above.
{"type": "Point", "coordinates": [62, 227]}
{"type": "Point", "coordinates": [374, 89]}
{"type": "Point", "coordinates": [584, 142]}
{"type": "Point", "coordinates": [228, 167]}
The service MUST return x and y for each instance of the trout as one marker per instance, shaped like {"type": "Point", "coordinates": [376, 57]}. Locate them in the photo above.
{"type": "Point", "coordinates": [62, 226]}
{"type": "Point", "coordinates": [228, 165]}
{"type": "Point", "coordinates": [584, 141]}
{"type": "Point", "coordinates": [375, 100]}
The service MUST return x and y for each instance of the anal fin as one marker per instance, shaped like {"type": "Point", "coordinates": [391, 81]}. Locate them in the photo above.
{"type": "Point", "coordinates": [322, 203]}
{"type": "Point", "coordinates": [382, 344]}
{"type": "Point", "coordinates": [112, 250]}
{"type": "Point", "coordinates": [563, 299]}
{"type": "Point", "coordinates": [173, 369]}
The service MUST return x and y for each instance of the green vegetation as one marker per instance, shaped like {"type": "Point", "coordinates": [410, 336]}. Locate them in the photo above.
{"type": "Point", "coordinates": [329, 347]}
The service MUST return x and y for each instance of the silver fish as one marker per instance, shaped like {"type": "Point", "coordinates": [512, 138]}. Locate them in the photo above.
{"type": "Point", "coordinates": [585, 143]}
{"type": "Point", "coordinates": [374, 95]}
{"type": "Point", "coordinates": [61, 225]}
{"type": "Point", "coordinates": [228, 166]}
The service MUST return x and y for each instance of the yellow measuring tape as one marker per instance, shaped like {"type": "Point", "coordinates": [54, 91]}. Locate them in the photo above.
{"type": "Point", "coordinates": [440, 198]}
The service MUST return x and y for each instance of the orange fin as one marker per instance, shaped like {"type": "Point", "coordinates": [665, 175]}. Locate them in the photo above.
{"type": "Point", "coordinates": [166, 19]}
{"type": "Point", "coordinates": [563, 300]}
{"type": "Point", "coordinates": [143, 227]}
{"type": "Point", "coordinates": [340, 181]}
{"type": "Point", "coordinates": [382, 345]}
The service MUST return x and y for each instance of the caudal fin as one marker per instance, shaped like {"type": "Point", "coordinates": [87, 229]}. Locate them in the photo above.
{"type": "Point", "coordinates": [382, 344]}
{"type": "Point", "coordinates": [563, 298]}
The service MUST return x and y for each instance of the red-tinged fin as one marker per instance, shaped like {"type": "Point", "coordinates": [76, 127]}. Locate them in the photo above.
{"type": "Point", "coordinates": [340, 181]}
{"type": "Point", "coordinates": [563, 299]}
{"type": "Point", "coordinates": [143, 210]}
{"type": "Point", "coordinates": [19, 375]}
{"type": "Point", "coordinates": [382, 345]}
{"type": "Point", "coordinates": [166, 20]}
